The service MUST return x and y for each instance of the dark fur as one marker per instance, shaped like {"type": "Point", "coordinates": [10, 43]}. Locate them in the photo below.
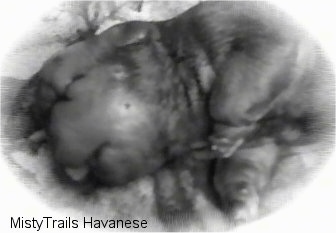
{"type": "Point", "coordinates": [219, 70]}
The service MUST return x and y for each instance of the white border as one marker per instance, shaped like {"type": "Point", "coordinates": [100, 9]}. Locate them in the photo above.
{"type": "Point", "coordinates": [313, 211]}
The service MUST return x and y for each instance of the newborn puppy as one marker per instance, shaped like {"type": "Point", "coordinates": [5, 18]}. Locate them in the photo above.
{"type": "Point", "coordinates": [121, 104]}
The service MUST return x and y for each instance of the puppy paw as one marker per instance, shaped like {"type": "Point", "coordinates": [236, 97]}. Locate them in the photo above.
{"type": "Point", "coordinates": [224, 148]}
{"type": "Point", "coordinates": [241, 202]}
{"type": "Point", "coordinates": [174, 196]}
{"type": "Point", "coordinates": [32, 144]}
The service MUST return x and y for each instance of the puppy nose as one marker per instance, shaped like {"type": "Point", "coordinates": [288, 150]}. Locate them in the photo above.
{"type": "Point", "coordinates": [77, 174]}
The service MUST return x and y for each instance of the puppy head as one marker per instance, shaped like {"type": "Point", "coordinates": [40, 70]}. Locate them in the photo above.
{"type": "Point", "coordinates": [108, 125]}
{"type": "Point", "coordinates": [108, 110]}
{"type": "Point", "coordinates": [72, 63]}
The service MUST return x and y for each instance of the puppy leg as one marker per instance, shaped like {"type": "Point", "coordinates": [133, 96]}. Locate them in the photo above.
{"type": "Point", "coordinates": [240, 179]}
{"type": "Point", "coordinates": [174, 190]}
{"type": "Point", "coordinates": [246, 89]}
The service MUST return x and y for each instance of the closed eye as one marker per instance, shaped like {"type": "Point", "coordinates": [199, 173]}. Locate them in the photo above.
{"type": "Point", "coordinates": [77, 77]}
{"type": "Point", "coordinates": [64, 96]}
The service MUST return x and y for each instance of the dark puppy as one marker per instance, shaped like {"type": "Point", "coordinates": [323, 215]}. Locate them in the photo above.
{"type": "Point", "coordinates": [121, 104]}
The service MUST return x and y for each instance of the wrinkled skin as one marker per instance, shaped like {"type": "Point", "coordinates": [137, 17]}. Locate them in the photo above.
{"type": "Point", "coordinates": [122, 104]}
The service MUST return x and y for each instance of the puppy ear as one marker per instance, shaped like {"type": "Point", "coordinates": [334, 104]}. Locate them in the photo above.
{"type": "Point", "coordinates": [131, 33]}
